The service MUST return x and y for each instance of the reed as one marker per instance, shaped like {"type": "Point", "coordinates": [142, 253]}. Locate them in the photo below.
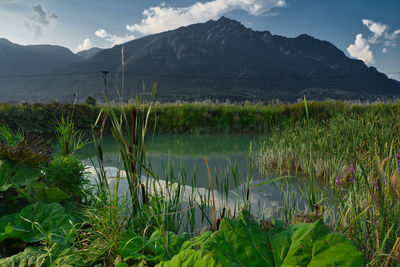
{"type": "Point", "coordinates": [355, 155]}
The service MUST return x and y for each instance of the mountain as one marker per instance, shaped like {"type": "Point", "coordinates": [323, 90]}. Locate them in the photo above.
{"type": "Point", "coordinates": [33, 59]}
{"type": "Point", "coordinates": [219, 60]}
{"type": "Point", "coordinates": [85, 54]}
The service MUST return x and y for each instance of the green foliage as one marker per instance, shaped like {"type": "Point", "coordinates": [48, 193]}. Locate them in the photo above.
{"type": "Point", "coordinates": [69, 140]}
{"type": "Point", "coordinates": [129, 132]}
{"type": "Point", "coordinates": [30, 257]}
{"type": "Point", "coordinates": [108, 217]}
{"type": "Point", "coordinates": [159, 247]}
{"type": "Point", "coordinates": [54, 256]}
{"type": "Point", "coordinates": [37, 222]}
{"type": "Point", "coordinates": [354, 151]}
{"type": "Point", "coordinates": [17, 175]}
{"type": "Point", "coordinates": [8, 136]}
{"type": "Point", "coordinates": [243, 242]}
{"type": "Point", "coordinates": [33, 151]}
{"type": "Point", "coordinates": [312, 245]}
{"type": "Point", "coordinates": [47, 194]}
{"type": "Point", "coordinates": [67, 173]}
{"type": "Point", "coordinates": [90, 101]}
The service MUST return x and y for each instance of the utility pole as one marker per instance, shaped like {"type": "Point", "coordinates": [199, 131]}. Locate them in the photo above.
{"type": "Point", "coordinates": [105, 81]}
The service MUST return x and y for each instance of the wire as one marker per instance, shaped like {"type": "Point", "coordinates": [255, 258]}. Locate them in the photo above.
{"type": "Point", "coordinates": [171, 75]}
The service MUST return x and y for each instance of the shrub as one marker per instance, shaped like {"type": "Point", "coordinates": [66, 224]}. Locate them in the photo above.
{"type": "Point", "coordinates": [90, 101]}
{"type": "Point", "coordinates": [68, 173]}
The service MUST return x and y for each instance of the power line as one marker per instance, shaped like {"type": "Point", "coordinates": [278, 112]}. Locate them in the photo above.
{"type": "Point", "coordinates": [216, 77]}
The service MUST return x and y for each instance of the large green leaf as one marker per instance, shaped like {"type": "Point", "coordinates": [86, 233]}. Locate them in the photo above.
{"type": "Point", "coordinates": [160, 246]}
{"type": "Point", "coordinates": [47, 194]}
{"type": "Point", "coordinates": [35, 257]}
{"type": "Point", "coordinates": [243, 242]}
{"type": "Point", "coordinates": [312, 245]}
{"type": "Point", "coordinates": [17, 174]}
{"type": "Point", "coordinates": [36, 222]}
{"type": "Point", "coordinates": [28, 258]}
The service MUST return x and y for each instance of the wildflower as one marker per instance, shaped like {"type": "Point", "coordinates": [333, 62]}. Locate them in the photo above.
{"type": "Point", "coordinates": [383, 180]}
{"type": "Point", "coordinates": [338, 180]}
{"type": "Point", "coordinates": [351, 170]}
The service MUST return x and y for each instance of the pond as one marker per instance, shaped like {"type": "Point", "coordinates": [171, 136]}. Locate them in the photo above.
{"type": "Point", "coordinates": [184, 158]}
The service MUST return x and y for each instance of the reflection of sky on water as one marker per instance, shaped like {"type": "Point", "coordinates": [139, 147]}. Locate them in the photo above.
{"type": "Point", "coordinates": [264, 199]}
{"type": "Point", "coordinates": [182, 159]}
{"type": "Point", "coordinates": [168, 153]}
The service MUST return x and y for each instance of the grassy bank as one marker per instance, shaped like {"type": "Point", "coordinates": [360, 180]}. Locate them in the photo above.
{"type": "Point", "coordinates": [184, 117]}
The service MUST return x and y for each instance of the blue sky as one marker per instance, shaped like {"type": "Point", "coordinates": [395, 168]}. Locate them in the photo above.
{"type": "Point", "coordinates": [365, 29]}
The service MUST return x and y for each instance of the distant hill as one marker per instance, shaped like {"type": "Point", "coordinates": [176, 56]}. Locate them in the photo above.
{"type": "Point", "coordinates": [85, 54]}
{"type": "Point", "coordinates": [33, 59]}
{"type": "Point", "coordinates": [218, 60]}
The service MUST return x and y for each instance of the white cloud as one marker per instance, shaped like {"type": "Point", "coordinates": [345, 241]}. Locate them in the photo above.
{"type": "Point", "coordinates": [85, 45]}
{"type": "Point", "coordinates": [384, 50]}
{"type": "Point", "coordinates": [115, 40]}
{"type": "Point", "coordinates": [381, 33]}
{"type": "Point", "coordinates": [376, 28]}
{"type": "Point", "coordinates": [390, 39]}
{"type": "Point", "coordinates": [361, 50]}
{"type": "Point", "coordinates": [162, 18]}
{"type": "Point", "coordinates": [101, 33]}
{"type": "Point", "coordinates": [38, 20]}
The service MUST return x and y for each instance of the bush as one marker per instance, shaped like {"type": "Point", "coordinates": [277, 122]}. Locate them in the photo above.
{"type": "Point", "coordinates": [68, 173]}
{"type": "Point", "coordinates": [90, 101]}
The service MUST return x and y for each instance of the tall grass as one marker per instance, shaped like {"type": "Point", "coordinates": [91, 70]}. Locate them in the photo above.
{"type": "Point", "coordinates": [354, 154]}
{"type": "Point", "coordinates": [8, 136]}
{"type": "Point", "coordinates": [69, 139]}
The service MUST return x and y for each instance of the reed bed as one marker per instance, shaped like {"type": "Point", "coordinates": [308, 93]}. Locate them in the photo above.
{"type": "Point", "coordinates": [356, 155]}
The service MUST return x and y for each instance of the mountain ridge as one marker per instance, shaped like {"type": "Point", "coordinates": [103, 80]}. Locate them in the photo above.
{"type": "Point", "coordinates": [32, 59]}
{"type": "Point", "coordinates": [88, 53]}
{"type": "Point", "coordinates": [222, 60]}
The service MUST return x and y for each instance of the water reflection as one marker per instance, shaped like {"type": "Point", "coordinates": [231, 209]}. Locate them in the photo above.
{"type": "Point", "coordinates": [181, 159]}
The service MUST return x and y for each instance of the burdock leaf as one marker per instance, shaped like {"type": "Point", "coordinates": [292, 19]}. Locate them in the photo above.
{"type": "Point", "coordinates": [27, 258]}
{"type": "Point", "coordinates": [36, 222]}
{"type": "Point", "coordinates": [242, 242]}
{"type": "Point", "coordinates": [160, 246]}
{"type": "Point", "coordinates": [15, 174]}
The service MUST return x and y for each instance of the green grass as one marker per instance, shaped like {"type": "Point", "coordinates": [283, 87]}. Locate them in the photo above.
{"type": "Point", "coordinates": [202, 117]}
{"type": "Point", "coordinates": [350, 148]}
{"type": "Point", "coordinates": [353, 152]}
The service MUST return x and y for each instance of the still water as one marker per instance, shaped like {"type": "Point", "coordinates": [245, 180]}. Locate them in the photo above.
{"type": "Point", "coordinates": [231, 159]}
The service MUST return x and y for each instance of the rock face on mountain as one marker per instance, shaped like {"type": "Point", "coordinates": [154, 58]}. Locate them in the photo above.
{"type": "Point", "coordinates": [221, 60]}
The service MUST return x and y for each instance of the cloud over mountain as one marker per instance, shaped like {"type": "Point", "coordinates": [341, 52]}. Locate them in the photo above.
{"type": "Point", "coordinates": [380, 35]}
{"type": "Point", "coordinates": [114, 39]}
{"type": "Point", "coordinates": [361, 50]}
{"type": "Point", "coordinates": [87, 43]}
{"type": "Point", "coordinates": [162, 18]}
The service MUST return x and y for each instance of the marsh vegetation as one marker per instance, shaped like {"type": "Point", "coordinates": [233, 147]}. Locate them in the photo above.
{"type": "Point", "coordinates": [334, 167]}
